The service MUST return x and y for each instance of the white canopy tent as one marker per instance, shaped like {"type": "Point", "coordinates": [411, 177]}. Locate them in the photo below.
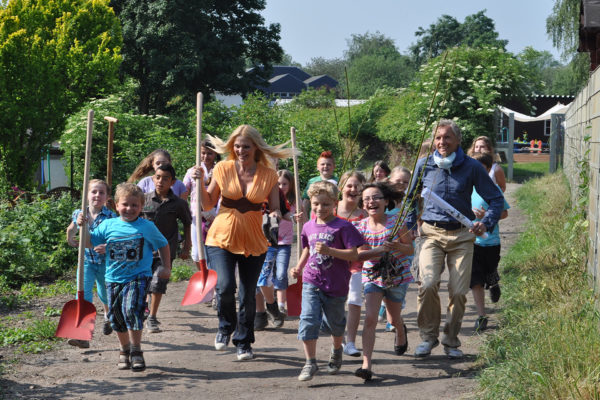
{"type": "Point", "coordinates": [559, 108]}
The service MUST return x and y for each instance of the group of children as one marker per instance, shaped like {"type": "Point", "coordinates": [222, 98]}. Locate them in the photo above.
{"type": "Point", "coordinates": [353, 249]}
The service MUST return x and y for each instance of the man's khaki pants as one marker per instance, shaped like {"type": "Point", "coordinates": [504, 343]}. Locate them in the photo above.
{"type": "Point", "coordinates": [439, 248]}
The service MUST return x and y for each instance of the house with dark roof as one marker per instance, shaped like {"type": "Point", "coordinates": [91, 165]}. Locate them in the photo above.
{"type": "Point", "coordinates": [286, 82]}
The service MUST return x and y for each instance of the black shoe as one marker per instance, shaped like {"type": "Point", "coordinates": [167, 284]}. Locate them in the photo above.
{"type": "Point", "coordinates": [399, 350]}
{"type": "Point", "coordinates": [481, 323]}
{"type": "Point", "coordinates": [495, 293]}
{"type": "Point", "coordinates": [260, 321]}
{"type": "Point", "coordinates": [107, 328]}
{"type": "Point", "coordinates": [221, 341]}
{"type": "Point", "coordinates": [364, 373]}
{"type": "Point", "coordinates": [276, 316]}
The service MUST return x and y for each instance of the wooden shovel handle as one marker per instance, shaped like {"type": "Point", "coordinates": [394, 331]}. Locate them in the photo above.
{"type": "Point", "coordinates": [297, 189]}
{"type": "Point", "coordinates": [83, 231]}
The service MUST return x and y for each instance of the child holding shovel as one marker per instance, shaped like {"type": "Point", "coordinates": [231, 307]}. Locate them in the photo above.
{"type": "Point", "coordinates": [94, 266]}
{"type": "Point", "coordinates": [129, 241]}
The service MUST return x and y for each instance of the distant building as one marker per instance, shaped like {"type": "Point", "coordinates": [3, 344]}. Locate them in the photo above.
{"type": "Point", "coordinates": [287, 82]}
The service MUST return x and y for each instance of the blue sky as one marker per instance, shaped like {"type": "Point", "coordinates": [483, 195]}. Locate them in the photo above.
{"type": "Point", "coordinates": [311, 28]}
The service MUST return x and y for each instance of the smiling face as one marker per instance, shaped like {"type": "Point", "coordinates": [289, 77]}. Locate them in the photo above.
{"type": "Point", "coordinates": [97, 195]}
{"type": "Point", "coordinates": [207, 156]}
{"type": "Point", "coordinates": [325, 166]}
{"type": "Point", "coordinates": [379, 174]}
{"type": "Point", "coordinates": [400, 180]}
{"type": "Point", "coordinates": [160, 159]}
{"type": "Point", "coordinates": [445, 141]}
{"type": "Point", "coordinates": [129, 207]}
{"type": "Point", "coordinates": [244, 149]}
{"type": "Point", "coordinates": [323, 205]}
{"type": "Point", "coordinates": [162, 181]}
{"type": "Point", "coordinates": [373, 201]}
{"type": "Point", "coordinates": [352, 189]}
{"type": "Point", "coordinates": [481, 147]}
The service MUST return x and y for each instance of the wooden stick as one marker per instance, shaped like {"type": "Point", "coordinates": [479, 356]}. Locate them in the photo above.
{"type": "Point", "coordinates": [297, 190]}
{"type": "Point", "coordinates": [199, 239]}
{"type": "Point", "coordinates": [83, 231]}
{"type": "Point", "coordinates": [109, 152]}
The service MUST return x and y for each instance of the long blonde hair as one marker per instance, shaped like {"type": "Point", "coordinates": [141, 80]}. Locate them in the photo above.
{"type": "Point", "coordinates": [264, 152]}
{"type": "Point", "coordinates": [487, 142]}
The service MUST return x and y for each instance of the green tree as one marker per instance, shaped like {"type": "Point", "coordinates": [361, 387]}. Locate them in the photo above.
{"type": "Point", "coordinates": [179, 48]}
{"type": "Point", "coordinates": [53, 56]}
{"type": "Point", "coordinates": [474, 81]}
{"type": "Point", "coordinates": [477, 30]}
{"type": "Point", "coordinates": [334, 67]}
{"type": "Point", "coordinates": [563, 26]}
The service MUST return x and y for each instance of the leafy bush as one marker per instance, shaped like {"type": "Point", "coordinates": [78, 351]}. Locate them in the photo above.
{"type": "Point", "coordinates": [32, 239]}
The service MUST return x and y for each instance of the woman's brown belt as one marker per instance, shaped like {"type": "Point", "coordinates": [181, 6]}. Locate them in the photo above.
{"type": "Point", "coordinates": [243, 205]}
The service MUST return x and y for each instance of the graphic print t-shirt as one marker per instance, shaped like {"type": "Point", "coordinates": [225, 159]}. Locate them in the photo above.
{"type": "Point", "coordinates": [331, 275]}
{"type": "Point", "coordinates": [129, 247]}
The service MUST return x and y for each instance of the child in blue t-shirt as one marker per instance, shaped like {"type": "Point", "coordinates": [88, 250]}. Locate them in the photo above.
{"type": "Point", "coordinates": [130, 241]}
{"type": "Point", "coordinates": [329, 243]}
{"type": "Point", "coordinates": [94, 267]}
{"type": "Point", "coordinates": [486, 254]}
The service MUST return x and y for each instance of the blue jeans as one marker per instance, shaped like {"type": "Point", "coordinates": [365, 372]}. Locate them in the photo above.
{"type": "Point", "coordinates": [93, 273]}
{"type": "Point", "coordinates": [320, 311]}
{"type": "Point", "coordinates": [242, 323]}
{"type": "Point", "coordinates": [275, 269]}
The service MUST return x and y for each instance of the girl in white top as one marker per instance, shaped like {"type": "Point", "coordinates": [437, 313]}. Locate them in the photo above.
{"type": "Point", "coordinates": [483, 144]}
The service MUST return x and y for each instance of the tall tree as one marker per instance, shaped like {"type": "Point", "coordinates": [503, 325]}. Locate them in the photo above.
{"type": "Point", "coordinates": [334, 67]}
{"type": "Point", "coordinates": [563, 26]}
{"type": "Point", "coordinates": [53, 56]}
{"type": "Point", "coordinates": [177, 48]}
{"type": "Point", "coordinates": [477, 30]}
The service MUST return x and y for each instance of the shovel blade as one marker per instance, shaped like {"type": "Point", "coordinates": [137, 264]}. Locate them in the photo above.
{"type": "Point", "coordinates": [77, 320]}
{"type": "Point", "coordinates": [294, 299]}
{"type": "Point", "coordinates": [200, 286]}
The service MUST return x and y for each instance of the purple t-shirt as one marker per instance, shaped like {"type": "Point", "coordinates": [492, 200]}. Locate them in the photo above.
{"type": "Point", "coordinates": [329, 274]}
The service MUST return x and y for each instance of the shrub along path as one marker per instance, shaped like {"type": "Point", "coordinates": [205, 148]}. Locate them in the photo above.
{"type": "Point", "coordinates": [182, 361]}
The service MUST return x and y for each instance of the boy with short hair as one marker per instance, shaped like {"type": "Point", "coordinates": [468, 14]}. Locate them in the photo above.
{"type": "Point", "coordinates": [326, 167]}
{"type": "Point", "coordinates": [130, 242]}
{"type": "Point", "coordinates": [164, 208]}
{"type": "Point", "coordinates": [329, 244]}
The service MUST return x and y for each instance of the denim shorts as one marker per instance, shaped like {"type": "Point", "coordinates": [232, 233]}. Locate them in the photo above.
{"type": "Point", "coordinates": [126, 304]}
{"type": "Point", "coordinates": [396, 294]}
{"type": "Point", "coordinates": [275, 269]}
{"type": "Point", "coordinates": [320, 309]}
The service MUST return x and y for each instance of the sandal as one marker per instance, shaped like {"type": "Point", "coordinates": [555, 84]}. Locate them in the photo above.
{"type": "Point", "coordinates": [364, 373]}
{"type": "Point", "coordinates": [137, 361]}
{"type": "Point", "coordinates": [124, 362]}
{"type": "Point", "coordinates": [399, 350]}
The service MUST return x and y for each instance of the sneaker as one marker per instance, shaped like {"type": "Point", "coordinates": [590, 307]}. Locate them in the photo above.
{"type": "Point", "coordinates": [350, 350]}
{"type": "Point", "coordinates": [138, 364]}
{"type": "Point", "coordinates": [276, 316]}
{"type": "Point", "coordinates": [453, 352]}
{"type": "Point", "coordinates": [244, 352]}
{"type": "Point", "coordinates": [152, 324]}
{"type": "Point", "coordinates": [221, 341]}
{"type": "Point", "coordinates": [381, 316]}
{"type": "Point", "coordinates": [424, 348]}
{"type": "Point", "coordinates": [308, 371]}
{"type": "Point", "coordinates": [260, 321]}
{"type": "Point", "coordinates": [214, 303]}
{"type": "Point", "coordinates": [107, 328]}
{"type": "Point", "coordinates": [390, 328]}
{"type": "Point", "coordinates": [82, 344]}
{"type": "Point", "coordinates": [283, 310]}
{"type": "Point", "coordinates": [335, 361]}
{"type": "Point", "coordinates": [481, 323]}
{"type": "Point", "coordinates": [495, 293]}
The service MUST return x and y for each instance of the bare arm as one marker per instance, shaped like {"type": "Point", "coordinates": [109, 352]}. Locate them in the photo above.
{"type": "Point", "coordinates": [274, 202]}
{"type": "Point", "coordinates": [297, 270]}
{"type": "Point", "coordinates": [164, 271]}
{"type": "Point", "coordinates": [500, 178]}
{"type": "Point", "coordinates": [187, 242]}
{"type": "Point", "coordinates": [71, 233]}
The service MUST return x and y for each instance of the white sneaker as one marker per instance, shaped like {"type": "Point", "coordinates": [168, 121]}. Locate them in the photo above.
{"type": "Point", "coordinates": [424, 348]}
{"type": "Point", "coordinates": [350, 350]}
{"type": "Point", "coordinates": [453, 352]}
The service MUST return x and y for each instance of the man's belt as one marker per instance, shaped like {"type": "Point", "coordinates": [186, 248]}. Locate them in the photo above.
{"type": "Point", "coordinates": [449, 226]}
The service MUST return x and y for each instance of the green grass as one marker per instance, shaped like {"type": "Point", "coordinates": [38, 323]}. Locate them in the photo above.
{"type": "Point", "coordinates": [182, 270]}
{"type": "Point", "coordinates": [10, 298]}
{"type": "Point", "coordinates": [36, 334]}
{"type": "Point", "coordinates": [548, 344]}
{"type": "Point", "coordinates": [525, 171]}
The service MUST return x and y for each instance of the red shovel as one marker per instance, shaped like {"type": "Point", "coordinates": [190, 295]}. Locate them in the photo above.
{"type": "Point", "coordinates": [201, 284]}
{"type": "Point", "coordinates": [79, 316]}
{"type": "Point", "coordinates": [294, 292]}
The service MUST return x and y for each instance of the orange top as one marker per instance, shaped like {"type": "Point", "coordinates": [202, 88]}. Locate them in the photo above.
{"type": "Point", "coordinates": [232, 230]}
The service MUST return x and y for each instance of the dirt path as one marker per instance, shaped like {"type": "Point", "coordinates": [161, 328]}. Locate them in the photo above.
{"type": "Point", "coordinates": [182, 362]}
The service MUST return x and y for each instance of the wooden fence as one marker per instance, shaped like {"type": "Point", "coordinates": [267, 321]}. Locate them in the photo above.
{"type": "Point", "coordinates": [582, 151]}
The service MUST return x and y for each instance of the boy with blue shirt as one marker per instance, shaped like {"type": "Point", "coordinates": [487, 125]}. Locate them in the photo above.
{"type": "Point", "coordinates": [130, 241]}
{"type": "Point", "coordinates": [486, 253]}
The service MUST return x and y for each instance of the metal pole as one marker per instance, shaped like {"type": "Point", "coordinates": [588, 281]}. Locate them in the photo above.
{"type": "Point", "coordinates": [111, 134]}
{"type": "Point", "coordinates": [511, 145]}
{"type": "Point", "coordinates": [553, 143]}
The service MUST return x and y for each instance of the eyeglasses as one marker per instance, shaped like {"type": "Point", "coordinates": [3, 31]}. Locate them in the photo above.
{"type": "Point", "coordinates": [372, 198]}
